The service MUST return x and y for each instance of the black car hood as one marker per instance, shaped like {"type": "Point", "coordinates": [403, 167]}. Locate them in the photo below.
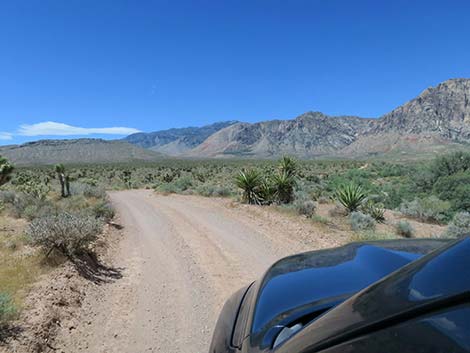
{"type": "Point", "coordinates": [313, 282]}
{"type": "Point", "coordinates": [440, 279]}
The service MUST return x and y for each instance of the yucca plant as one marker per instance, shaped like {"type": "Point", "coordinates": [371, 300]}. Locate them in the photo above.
{"type": "Point", "coordinates": [351, 196]}
{"type": "Point", "coordinates": [267, 192]}
{"type": "Point", "coordinates": [288, 165]}
{"type": "Point", "coordinates": [5, 170]}
{"type": "Point", "coordinates": [375, 210]}
{"type": "Point", "coordinates": [284, 184]}
{"type": "Point", "coordinates": [250, 182]}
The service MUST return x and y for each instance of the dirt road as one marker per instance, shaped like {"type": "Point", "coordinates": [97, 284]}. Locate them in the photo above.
{"type": "Point", "coordinates": [181, 257]}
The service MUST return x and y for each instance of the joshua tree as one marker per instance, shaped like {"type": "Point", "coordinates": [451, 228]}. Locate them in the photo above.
{"type": "Point", "coordinates": [63, 179]}
{"type": "Point", "coordinates": [5, 170]}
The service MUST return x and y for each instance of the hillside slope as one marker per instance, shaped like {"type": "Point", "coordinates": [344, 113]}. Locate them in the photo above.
{"type": "Point", "coordinates": [436, 121]}
{"type": "Point", "coordinates": [76, 151]}
{"type": "Point", "coordinates": [308, 135]}
{"type": "Point", "coordinates": [176, 141]}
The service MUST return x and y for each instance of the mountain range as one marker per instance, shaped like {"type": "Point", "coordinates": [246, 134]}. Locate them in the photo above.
{"type": "Point", "coordinates": [436, 121]}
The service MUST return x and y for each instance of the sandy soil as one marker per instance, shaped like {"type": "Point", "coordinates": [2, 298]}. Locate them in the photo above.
{"type": "Point", "coordinates": [181, 257]}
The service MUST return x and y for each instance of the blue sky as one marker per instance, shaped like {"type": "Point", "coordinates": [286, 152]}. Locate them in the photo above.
{"type": "Point", "coordinates": [121, 66]}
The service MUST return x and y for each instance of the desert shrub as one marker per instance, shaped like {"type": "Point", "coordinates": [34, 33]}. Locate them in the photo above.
{"type": "Point", "coordinates": [34, 188]}
{"type": "Point", "coordinates": [319, 219]}
{"type": "Point", "coordinates": [371, 235]}
{"type": "Point", "coordinates": [450, 164]}
{"type": "Point", "coordinates": [459, 226]}
{"type": "Point", "coordinates": [176, 186]}
{"type": "Point", "coordinates": [103, 210]}
{"type": "Point", "coordinates": [7, 308]}
{"type": "Point", "coordinates": [209, 190]}
{"type": "Point", "coordinates": [88, 190]}
{"type": "Point", "coordinates": [250, 182]}
{"type": "Point", "coordinates": [351, 196]}
{"type": "Point", "coordinates": [74, 204]}
{"type": "Point", "coordinates": [361, 221]}
{"type": "Point", "coordinates": [29, 207]}
{"type": "Point", "coordinates": [427, 209]}
{"type": "Point", "coordinates": [305, 207]}
{"type": "Point", "coordinates": [7, 196]}
{"type": "Point", "coordinates": [396, 193]}
{"type": "Point", "coordinates": [375, 210]}
{"type": "Point", "coordinates": [68, 233]}
{"type": "Point", "coordinates": [455, 189]}
{"type": "Point", "coordinates": [404, 229]}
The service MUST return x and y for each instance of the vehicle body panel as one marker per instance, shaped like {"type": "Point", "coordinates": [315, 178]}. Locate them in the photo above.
{"type": "Point", "coordinates": [304, 286]}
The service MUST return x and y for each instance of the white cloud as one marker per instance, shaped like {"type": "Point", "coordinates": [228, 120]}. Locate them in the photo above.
{"type": "Point", "coordinates": [6, 136]}
{"type": "Point", "coordinates": [52, 128]}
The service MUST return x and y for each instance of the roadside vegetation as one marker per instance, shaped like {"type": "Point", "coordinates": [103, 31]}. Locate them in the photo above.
{"type": "Point", "coordinates": [59, 211]}
{"type": "Point", "coordinates": [45, 219]}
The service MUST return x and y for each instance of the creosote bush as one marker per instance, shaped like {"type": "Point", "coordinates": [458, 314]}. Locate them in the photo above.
{"type": "Point", "coordinates": [427, 209]}
{"type": "Point", "coordinates": [404, 229]}
{"type": "Point", "coordinates": [305, 207]}
{"type": "Point", "coordinates": [459, 226]}
{"type": "Point", "coordinates": [361, 221]}
{"type": "Point", "coordinates": [103, 210]}
{"type": "Point", "coordinates": [68, 233]}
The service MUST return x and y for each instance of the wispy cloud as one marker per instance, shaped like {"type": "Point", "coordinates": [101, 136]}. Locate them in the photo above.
{"type": "Point", "coordinates": [51, 128]}
{"type": "Point", "coordinates": [6, 136]}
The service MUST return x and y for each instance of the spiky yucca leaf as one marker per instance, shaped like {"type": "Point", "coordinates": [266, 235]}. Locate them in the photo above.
{"type": "Point", "coordinates": [284, 184]}
{"type": "Point", "coordinates": [375, 210]}
{"type": "Point", "coordinates": [351, 196]}
{"type": "Point", "coordinates": [250, 182]}
{"type": "Point", "coordinates": [288, 165]}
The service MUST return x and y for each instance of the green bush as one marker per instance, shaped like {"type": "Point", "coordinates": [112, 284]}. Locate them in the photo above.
{"type": "Point", "coordinates": [404, 229]}
{"type": "Point", "coordinates": [103, 210]}
{"type": "Point", "coordinates": [455, 189]}
{"type": "Point", "coordinates": [177, 185]}
{"type": "Point", "coordinates": [88, 190]}
{"type": "Point", "coordinates": [7, 308]}
{"type": "Point", "coordinates": [450, 164]}
{"type": "Point", "coordinates": [427, 209]}
{"type": "Point", "coordinates": [210, 190]}
{"type": "Point", "coordinates": [459, 226]}
{"type": "Point", "coordinates": [7, 196]}
{"type": "Point", "coordinates": [361, 221]}
{"type": "Point", "coordinates": [351, 196]}
{"type": "Point", "coordinates": [371, 235]}
{"type": "Point", "coordinates": [68, 233]}
{"type": "Point", "coordinates": [29, 207]}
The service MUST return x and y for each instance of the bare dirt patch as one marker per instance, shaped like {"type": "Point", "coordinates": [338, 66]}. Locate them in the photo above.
{"type": "Point", "coordinates": [51, 306]}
